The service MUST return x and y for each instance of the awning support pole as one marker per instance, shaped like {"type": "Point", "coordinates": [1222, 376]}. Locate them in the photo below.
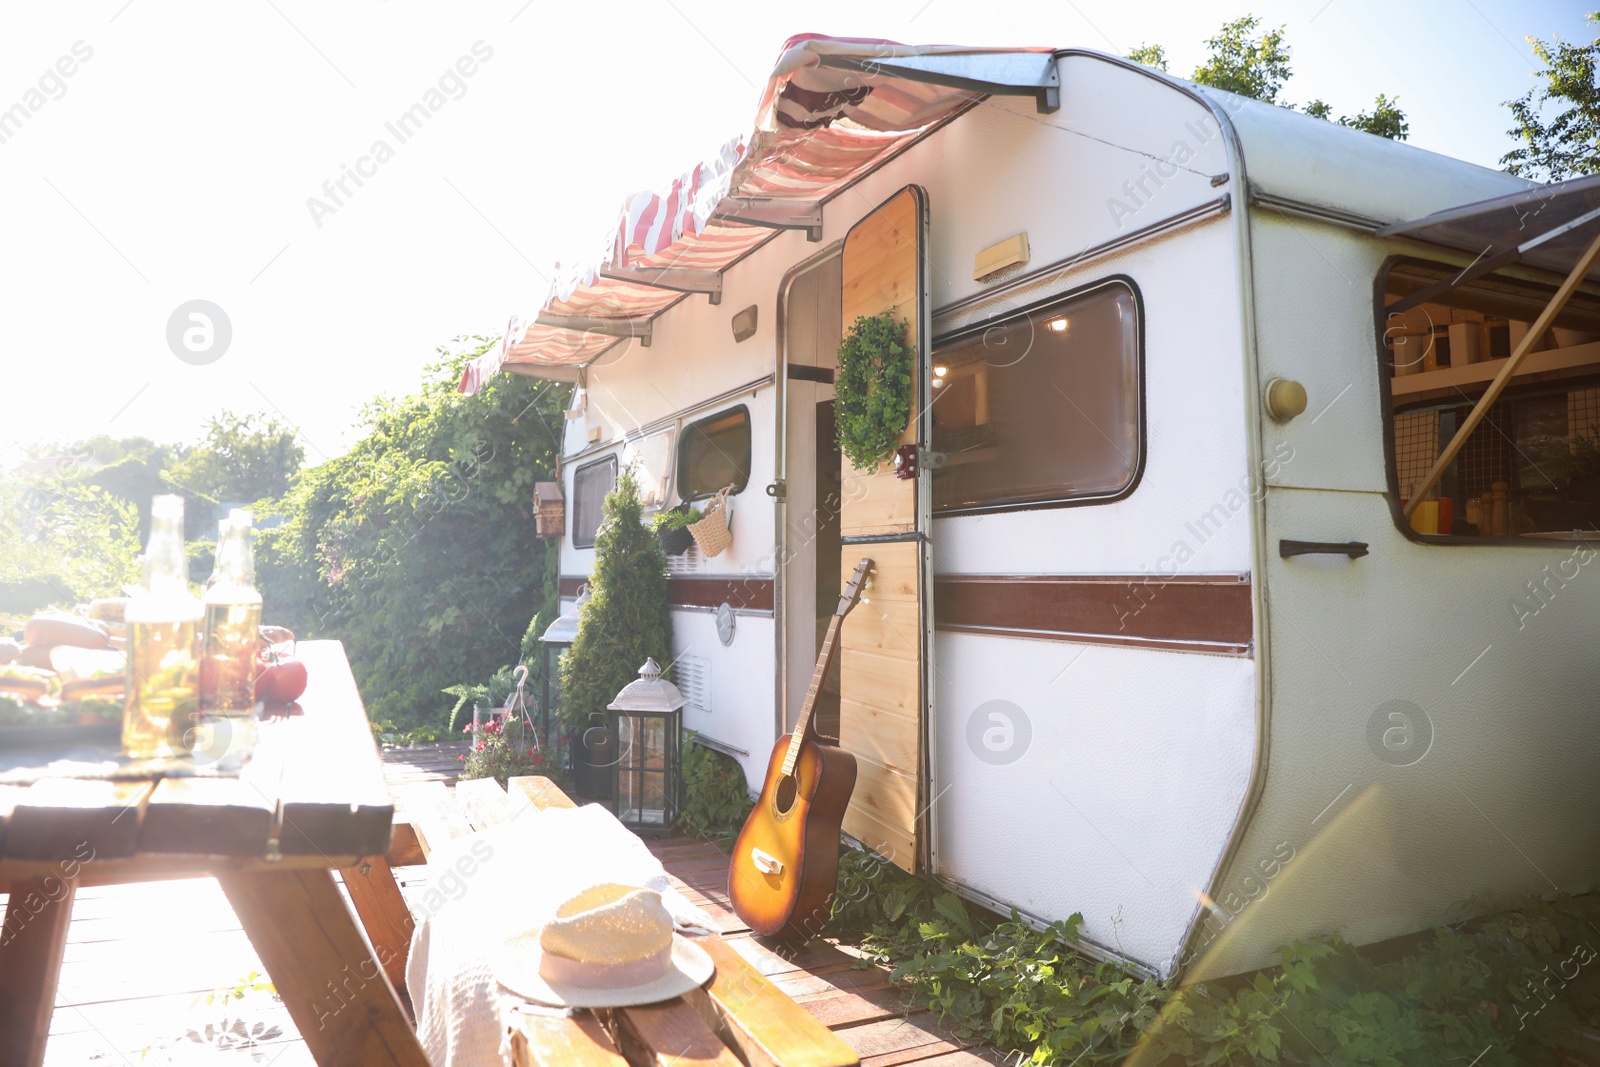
{"type": "Point", "coordinates": [1501, 380]}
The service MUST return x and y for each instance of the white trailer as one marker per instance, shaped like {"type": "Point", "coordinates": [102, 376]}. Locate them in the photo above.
{"type": "Point", "coordinates": [1158, 634]}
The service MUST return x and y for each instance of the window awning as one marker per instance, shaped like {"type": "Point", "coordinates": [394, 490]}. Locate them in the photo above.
{"type": "Point", "coordinates": [833, 110]}
{"type": "Point", "coordinates": [1547, 227]}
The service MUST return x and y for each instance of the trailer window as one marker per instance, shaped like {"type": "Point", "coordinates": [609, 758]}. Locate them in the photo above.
{"type": "Point", "coordinates": [714, 452]}
{"type": "Point", "coordinates": [651, 459]}
{"type": "Point", "coordinates": [1042, 407]}
{"type": "Point", "coordinates": [591, 485]}
{"type": "Point", "coordinates": [1531, 468]}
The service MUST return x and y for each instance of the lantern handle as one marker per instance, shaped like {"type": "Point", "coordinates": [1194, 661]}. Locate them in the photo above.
{"type": "Point", "coordinates": [517, 704]}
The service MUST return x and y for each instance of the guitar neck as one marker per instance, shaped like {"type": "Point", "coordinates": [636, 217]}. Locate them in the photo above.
{"type": "Point", "coordinates": [824, 659]}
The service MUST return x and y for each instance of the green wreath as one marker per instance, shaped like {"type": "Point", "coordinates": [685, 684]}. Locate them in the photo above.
{"type": "Point", "coordinates": [872, 390]}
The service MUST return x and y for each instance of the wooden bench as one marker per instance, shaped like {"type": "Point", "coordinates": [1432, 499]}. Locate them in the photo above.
{"type": "Point", "coordinates": [738, 1018]}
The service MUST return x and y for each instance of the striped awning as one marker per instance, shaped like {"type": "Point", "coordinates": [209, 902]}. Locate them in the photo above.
{"type": "Point", "coordinates": [833, 110]}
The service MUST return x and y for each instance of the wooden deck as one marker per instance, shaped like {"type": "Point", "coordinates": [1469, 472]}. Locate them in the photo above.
{"type": "Point", "coordinates": [141, 958]}
{"type": "Point", "coordinates": [849, 995]}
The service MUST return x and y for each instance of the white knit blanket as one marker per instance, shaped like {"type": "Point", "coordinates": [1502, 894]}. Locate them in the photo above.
{"type": "Point", "coordinates": [489, 885]}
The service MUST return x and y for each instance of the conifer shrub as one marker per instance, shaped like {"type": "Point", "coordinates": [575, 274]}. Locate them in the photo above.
{"type": "Point", "coordinates": [627, 617]}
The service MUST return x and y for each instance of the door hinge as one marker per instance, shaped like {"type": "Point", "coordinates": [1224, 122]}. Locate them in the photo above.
{"type": "Point", "coordinates": [777, 490]}
{"type": "Point", "coordinates": [909, 460]}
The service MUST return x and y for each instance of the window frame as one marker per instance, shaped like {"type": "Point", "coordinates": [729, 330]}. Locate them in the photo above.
{"type": "Point", "coordinates": [682, 453]}
{"type": "Point", "coordinates": [1391, 469]}
{"type": "Point", "coordinates": [577, 474]}
{"type": "Point", "coordinates": [1076, 500]}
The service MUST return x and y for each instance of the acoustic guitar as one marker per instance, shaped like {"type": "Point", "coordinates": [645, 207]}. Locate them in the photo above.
{"type": "Point", "coordinates": [786, 861]}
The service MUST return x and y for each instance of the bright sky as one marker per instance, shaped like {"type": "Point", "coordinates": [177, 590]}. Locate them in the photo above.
{"type": "Point", "coordinates": [175, 162]}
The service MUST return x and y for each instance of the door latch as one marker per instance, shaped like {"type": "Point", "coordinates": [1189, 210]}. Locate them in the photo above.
{"type": "Point", "coordinates": [776, 490]}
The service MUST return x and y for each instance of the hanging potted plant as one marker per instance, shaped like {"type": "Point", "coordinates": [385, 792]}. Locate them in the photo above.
{"type": "Point", "coordinates": [672, 528]}
{"type": "Point", "coordinates": [872, 389]}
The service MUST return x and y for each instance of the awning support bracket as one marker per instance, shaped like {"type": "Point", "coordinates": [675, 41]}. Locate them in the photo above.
{"type": "Point", "coordinates": [677, 279]}
{"type": "Point", "coordinates": [773, 214]}
{"type": "Point", "coordinates": [639, 328]}
{"type": "Point", "coordinates": [995, 73]}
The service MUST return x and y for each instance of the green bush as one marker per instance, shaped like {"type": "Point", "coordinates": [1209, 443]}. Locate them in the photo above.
{"type": "Point", "coordinates": [1502, 989]}
{"type": "Point", "coordinates": [65, 542]}
{"type": "Point", "coordinates": [716, 799]}
{"type": "Point", "coordinates": [416, 548]}
{"type": "Point", "coordinates": [627, 619]}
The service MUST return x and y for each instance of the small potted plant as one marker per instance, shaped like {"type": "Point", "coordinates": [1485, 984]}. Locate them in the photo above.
{"type": "Point", "coordinates": [672, 528]}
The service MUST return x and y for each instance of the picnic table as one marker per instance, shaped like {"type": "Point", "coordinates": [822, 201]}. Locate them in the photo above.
{"type": "Point", "coordinates": [311, 799]}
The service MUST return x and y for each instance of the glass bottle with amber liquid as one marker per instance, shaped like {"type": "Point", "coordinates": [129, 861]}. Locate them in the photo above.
{"type": "Point", "coordinates": [163, 644]}
{"type": "Point", "coordinates": [232, 624]}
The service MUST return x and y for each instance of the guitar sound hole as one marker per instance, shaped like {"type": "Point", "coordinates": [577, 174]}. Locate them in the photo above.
{"type": "Point", "coordinates": [783, 796]}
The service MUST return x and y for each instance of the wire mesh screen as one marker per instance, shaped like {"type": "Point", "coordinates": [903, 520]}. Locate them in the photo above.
{"type": "Point", "coordinates": [1416, 446]}
{"type": "Point", "coordinates": [1541, 448]}
{"type": "Point", "coordinates": [1583, 413]}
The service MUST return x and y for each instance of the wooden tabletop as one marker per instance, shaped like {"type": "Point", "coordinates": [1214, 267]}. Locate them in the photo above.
{"type": "Point", "coordinates": [311, 798]}
{"type": "Point", "coordinates": [312, 795]}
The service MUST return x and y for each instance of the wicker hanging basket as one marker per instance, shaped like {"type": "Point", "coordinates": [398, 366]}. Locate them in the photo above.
{"type": "Point", "coordinates": [712, 533]}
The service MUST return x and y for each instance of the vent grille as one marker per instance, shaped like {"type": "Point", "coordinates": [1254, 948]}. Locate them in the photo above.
{"type": "Point", "coordinates": [687, 563]}
{"type": "Point", "coordinates": [693, 676]}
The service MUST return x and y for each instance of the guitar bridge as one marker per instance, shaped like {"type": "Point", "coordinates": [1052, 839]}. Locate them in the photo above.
{"type": "Point", "coordinates": [765, 863]}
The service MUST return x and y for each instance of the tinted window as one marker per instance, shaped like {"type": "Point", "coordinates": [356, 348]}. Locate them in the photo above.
{"type": "Point", "coordinates": [1040, 407]}
{"type": "Point", "coordinates": [715, 452]}
{"type": "Point", "coordinates": [591, 484]}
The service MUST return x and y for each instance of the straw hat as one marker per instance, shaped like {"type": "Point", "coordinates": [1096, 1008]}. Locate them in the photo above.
{"type": "Point", "coordinates": [610, 946]}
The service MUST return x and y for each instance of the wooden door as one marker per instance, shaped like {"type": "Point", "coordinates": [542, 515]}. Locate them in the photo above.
{"type": "Point", "coordinates": [884, 646]}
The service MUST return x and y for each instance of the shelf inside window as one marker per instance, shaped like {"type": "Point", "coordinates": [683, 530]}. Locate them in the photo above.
{"type": "Point", "coordinates": [1575, 358]}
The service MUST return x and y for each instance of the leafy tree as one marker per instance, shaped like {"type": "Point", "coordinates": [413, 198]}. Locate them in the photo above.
{"type": "Point", "coordinates": [1151, 55]}
{"type": "Point", "coordinates": [1569, 143]}
{"type": "Point", "coordinates": [1257, 66]}
{"type": "Point", "coordinates": [1251, 66]}
{"type": "Point", "coordinates": [243, 458]}
{"type": "Point", "coordinates": [134, 477]}
{"type": "Point", "coordinates": [103, 449]}
{"type": "Point", "coordinates": [65, 542]}
{"type": "Point", "coordinates": [416, 548]}
{"type": "Point", "coordinates": [627, 618]}
{"type": "Point", "coordinates": [1385, 119]}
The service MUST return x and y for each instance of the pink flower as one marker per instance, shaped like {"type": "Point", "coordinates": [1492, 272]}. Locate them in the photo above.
{"type": "Point", "coordinates": [533, 752]}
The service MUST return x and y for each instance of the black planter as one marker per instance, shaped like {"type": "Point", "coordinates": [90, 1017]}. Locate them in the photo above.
{"type": "Point", "coordinates": [593, 763]}
{"type": "Point", "coordinates": [675, 542]}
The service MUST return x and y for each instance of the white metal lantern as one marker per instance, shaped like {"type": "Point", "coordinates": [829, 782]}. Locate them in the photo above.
{"type": "Point", "coordinates": [646, 719]}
